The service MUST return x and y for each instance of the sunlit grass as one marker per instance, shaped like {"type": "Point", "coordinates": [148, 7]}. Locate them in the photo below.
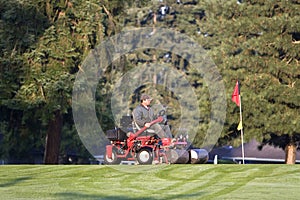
{"type": "Point", "coordinates": [149, 182]}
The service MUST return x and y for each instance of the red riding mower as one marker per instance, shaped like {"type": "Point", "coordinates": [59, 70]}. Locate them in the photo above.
{"type": "Point", "coordinates": [147, 148]}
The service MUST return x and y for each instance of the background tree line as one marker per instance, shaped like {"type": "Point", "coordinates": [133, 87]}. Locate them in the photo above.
{"type": "Point", "coordinates": [43, 44]}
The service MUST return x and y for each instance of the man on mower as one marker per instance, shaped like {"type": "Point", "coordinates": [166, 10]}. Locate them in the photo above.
{"type": "Point", "coordinates": [143, 115]}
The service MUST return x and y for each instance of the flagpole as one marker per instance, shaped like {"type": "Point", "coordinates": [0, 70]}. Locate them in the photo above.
{"type": "Point", "coordinates": [242, 134]}
{"type": "Point", "coordinates": [236, 98]}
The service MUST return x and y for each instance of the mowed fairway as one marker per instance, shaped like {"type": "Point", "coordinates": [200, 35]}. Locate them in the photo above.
{"type": "Point", "coordinates": [124, 182]}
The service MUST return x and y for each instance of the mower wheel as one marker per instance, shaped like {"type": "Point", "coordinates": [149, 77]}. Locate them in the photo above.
{"type": "Point", "coordinates": [145, 156]}
{"type": "Point", "coordinates": [114, 160]}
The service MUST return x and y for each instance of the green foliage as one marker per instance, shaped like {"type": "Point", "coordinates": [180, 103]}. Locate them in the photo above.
{"type": "Point", "coordinates": [21, 23]}
{"type": "Point", "coordinates": [38, 73]}
{"type": "Point", "coordinates": [256, 42]}
{"type": "Point", "coordinates": [43, 44]}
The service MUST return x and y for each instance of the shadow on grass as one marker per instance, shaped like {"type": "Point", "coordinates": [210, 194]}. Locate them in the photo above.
{"type": "Point", "coordinates": [73, 195]}
{"type": "Point", "coordinates": [14, 182]}
{"type": "Point", "coordinates": [194, 195]}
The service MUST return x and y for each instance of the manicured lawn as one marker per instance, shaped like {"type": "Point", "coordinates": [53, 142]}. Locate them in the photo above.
{"type": "Point", "coordinates": [124, 182]}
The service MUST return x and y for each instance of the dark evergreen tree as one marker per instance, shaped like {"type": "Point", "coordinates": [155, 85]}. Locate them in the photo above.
{"type": "Point", "coordinates": [257, 42]}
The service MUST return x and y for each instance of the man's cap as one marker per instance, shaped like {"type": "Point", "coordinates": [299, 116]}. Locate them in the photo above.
{"type": "Point", "coordinates": [145, 96]}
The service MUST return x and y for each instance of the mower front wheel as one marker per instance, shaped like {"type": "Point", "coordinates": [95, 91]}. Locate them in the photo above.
{"type": "Point", "coordinates": [145, 156]}
{"type": "Point", "coordinates": [114, 160]}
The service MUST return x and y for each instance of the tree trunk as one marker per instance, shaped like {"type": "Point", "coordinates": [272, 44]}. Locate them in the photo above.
{"type": "Point", "coordinates": [290, 153]}
{"type": "Point", "coordinates": [53, 139]}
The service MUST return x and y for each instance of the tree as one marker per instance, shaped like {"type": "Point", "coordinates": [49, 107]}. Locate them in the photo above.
{"type": "Point", "coordinates": [21, 25]}
{"type": "Point", "coordinates": [55, 60]}
{"type": "Point", "coordinates": [41, 89]}
{"type": "Point", "coordinates": [257, 43]}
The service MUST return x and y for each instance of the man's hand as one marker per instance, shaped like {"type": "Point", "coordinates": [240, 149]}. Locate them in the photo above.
{"type": "Point", "coordinates": [148, 125]}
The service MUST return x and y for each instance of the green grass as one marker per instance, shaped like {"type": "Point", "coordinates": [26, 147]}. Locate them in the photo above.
{"type": "Point", "coordinates": [124, 182]}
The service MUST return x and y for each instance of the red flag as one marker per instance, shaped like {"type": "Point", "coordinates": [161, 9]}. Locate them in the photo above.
{"type": "Point", "coordinates": [235, 95]}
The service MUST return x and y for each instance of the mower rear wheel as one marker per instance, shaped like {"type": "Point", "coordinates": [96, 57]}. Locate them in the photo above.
{"type": "Point", "coordinates": [145, 156]}
{"type": "Point", "coordinates": [114, 160]}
